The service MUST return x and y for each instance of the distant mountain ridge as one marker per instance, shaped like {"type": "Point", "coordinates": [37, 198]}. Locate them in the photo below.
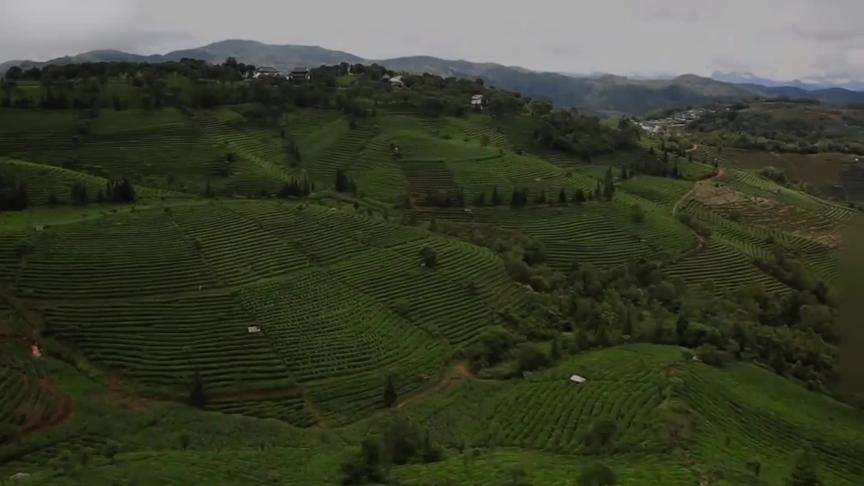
{"type": "Point", "coordinates": [604, 93]}
{"type": "Point", "coordinates": [814, 84]}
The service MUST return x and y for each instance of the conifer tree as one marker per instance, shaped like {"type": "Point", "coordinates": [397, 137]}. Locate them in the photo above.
{"type": "Point", "coordinates": [390, 396]}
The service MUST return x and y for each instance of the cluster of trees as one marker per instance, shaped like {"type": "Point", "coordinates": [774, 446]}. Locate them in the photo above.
{"type": "Point", "coordinates": [446, 199]}
{"type": "Point", "coordinates": [345, 184]}
{"type": "Point", "coordinates": [13, 196]}
{"type": "Point", "coordinates": [796, 333]}
{"type": "Point", "coordinates": [121, 191]}
{"type": "Point", "coordinates": [84, 85]}
{"type": "Point", "coordinates": [784, 127]}
{"type": "Point", "coordinates": [297, 187]}
{"type": "Point", "coordinates": [570, 132]}
{"type": "Point", "coordinates": [195, 84]}
{"type": "Point", "coordinates": [657, 165]}
{"type": "Point", "coordinates": [398, 442]}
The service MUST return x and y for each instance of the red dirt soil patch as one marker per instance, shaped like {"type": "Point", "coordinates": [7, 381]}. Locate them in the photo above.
{"type": "Point", "coordinates": [38, 417]}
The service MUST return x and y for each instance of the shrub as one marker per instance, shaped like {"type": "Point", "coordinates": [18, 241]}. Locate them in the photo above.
{"type": "Point", "coordinates": [402, 306]}
{"type": "Point", "coordinates": [532, 357]}
{"type": "Point", "coordinates": [597, 475]}
{"type": "Point", "coordinates": [637, 214]}
{"type": "Point", "coordinates": [710, 355]}
{"type": "Point", "coordinates": [601, 435]}
{"type": "Point", "coordinates": [429, 257]}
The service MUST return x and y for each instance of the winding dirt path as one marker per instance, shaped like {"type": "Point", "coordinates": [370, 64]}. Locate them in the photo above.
{"type": "Point", "coordinates": [720, 173]}
{"type": "Point", "coordinates": [456, 374]}
{"type": "Point", "coordinates": [702, 242]}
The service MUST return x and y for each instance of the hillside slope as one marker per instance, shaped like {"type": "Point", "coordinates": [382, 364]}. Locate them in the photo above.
{"type": "Point", "coordinates": [606, 93]}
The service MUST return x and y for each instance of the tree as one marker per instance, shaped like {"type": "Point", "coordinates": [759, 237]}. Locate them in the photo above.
{"type": "Point", "coordinates": [390, 396]}
{"type": "Point", "coordinates": [541, 198]}
{"type": "Point", "coordinates": [496, 198]}
{"type": "Point", "coordinates": [805, 472]}
{"type": "Point", "coordinates": [579, 196]}
{"type": "Point", "coordinates": [342, 182]}
{"type": "Point", "coordinates": [597, 475]}
{"type": "Point", "coordinates": [562, 197]}
{"type": "Point", "coordinates": [429, 257]}
{"type": "Point", "coordinates": [14, 73]}
{"type": "Point", "coordinates": [601, 434]}
{"type": "Point", "coordinates": [197, 396]}
{"type": "Point", "coordinates": [532, 357]}
{"type": "Point", "coordinates": [609, 185]}
{"type": "Point", "coordinates": [110, 450]}
{"type": "Point", "coordinates": [480, 199]}
{"type": "Point", "coordinates": [185, 441]}
{"type": "Point", "coordinates": [681, 329]}
{"type": "Point", "coordinates": [79, 194]}
{"type": "Point", "coordinates": [637, 214]}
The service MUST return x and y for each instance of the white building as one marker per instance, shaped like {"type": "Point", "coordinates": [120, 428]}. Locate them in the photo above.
{"type": "Point", "coordinates": [478, 102]}
{"type": "Point", "coordinates": [266, 72]}
{"type": "Point", "coordinates": [397, 81]}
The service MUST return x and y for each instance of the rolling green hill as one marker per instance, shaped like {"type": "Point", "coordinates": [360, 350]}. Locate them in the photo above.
{"type": "Point", "coordinates": [346, 282]}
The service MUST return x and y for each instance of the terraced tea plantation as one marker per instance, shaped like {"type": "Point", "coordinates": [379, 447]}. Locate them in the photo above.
{"type": "Point", "coordinates": [300, 294]}
{"type": "Point", "coordinates": [255, 297]}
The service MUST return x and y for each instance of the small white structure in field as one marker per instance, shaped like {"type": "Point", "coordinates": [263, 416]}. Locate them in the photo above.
{"type": "Point", "coordinates": [478, 101]}
{"type": "Point", "coordinates": [254, 329]}
{"type": "Point", "coordinates": [578, 380]}
{"type": "Point", "coordinates": [397, 81]}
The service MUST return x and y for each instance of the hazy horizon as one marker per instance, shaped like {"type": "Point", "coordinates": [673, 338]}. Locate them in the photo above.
{"type": "Point", "coordinates": [776, 39]}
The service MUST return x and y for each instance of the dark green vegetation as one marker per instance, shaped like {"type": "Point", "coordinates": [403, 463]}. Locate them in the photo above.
{"type": "Point", "coordinates": [805, 127]}
{"type": "Point", "coordinates": [219, 280]}
{"type": "Point", "coordinates": [603, 93]}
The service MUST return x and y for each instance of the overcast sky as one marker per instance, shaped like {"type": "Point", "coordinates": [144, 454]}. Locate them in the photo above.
{"type": "Point", "coordinates": [781, 39]}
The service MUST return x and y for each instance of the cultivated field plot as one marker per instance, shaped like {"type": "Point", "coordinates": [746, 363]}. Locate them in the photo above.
{"type": "Point", "coordinates": [824, 170]}
{"type": "Point", "coordinates": [659, 190]}
{"type": "Point", "coordinates": [29, 400]}
{"type": "Point", "coordinates": [138, 254]}
{"type": "Point", "coordinates": [759, 186]}
{"type": "Point", "coordinates": [494, 469]}
{"type": "Point", "coordinates": [238, 249]}
{"type": "Point", "coordinates": [853, 182]}
{"type": "Point", "coordinates": [47, 183]}
{"type": "Point", "coordinates": [548, 412]}
{"type": "Point", "coordinates": [284, 310]}
{"type": "Point", "coordinates": [747, 413]}
{"type": "Point", "coordinates": [324, 328]}
{"type": "Point", "coordinates": [429, 179]}
{"type": "Point", "coordinates": [29, 134]}
{"type": "Point", "coordinates": [721, 267]}
{"type": "Point", "coordinates": [734, 415]}
{"type": "Point", "coordinates": [763, 212]}
{"type": "Point", "coordinates": [600, 234]}
{"type": "Point", "coordinates": [510, 171]}
{"type": "Point", "coordinates": [166, 340]}
{"type": "Point", "coordinates": [341, 154]}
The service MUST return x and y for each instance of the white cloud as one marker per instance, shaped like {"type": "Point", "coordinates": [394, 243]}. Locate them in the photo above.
{"type": "Point", "coordinates": [56, 18]}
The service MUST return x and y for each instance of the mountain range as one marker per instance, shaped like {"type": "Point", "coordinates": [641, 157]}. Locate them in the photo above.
{"type": "Point", "coordinates": [605, 93]}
